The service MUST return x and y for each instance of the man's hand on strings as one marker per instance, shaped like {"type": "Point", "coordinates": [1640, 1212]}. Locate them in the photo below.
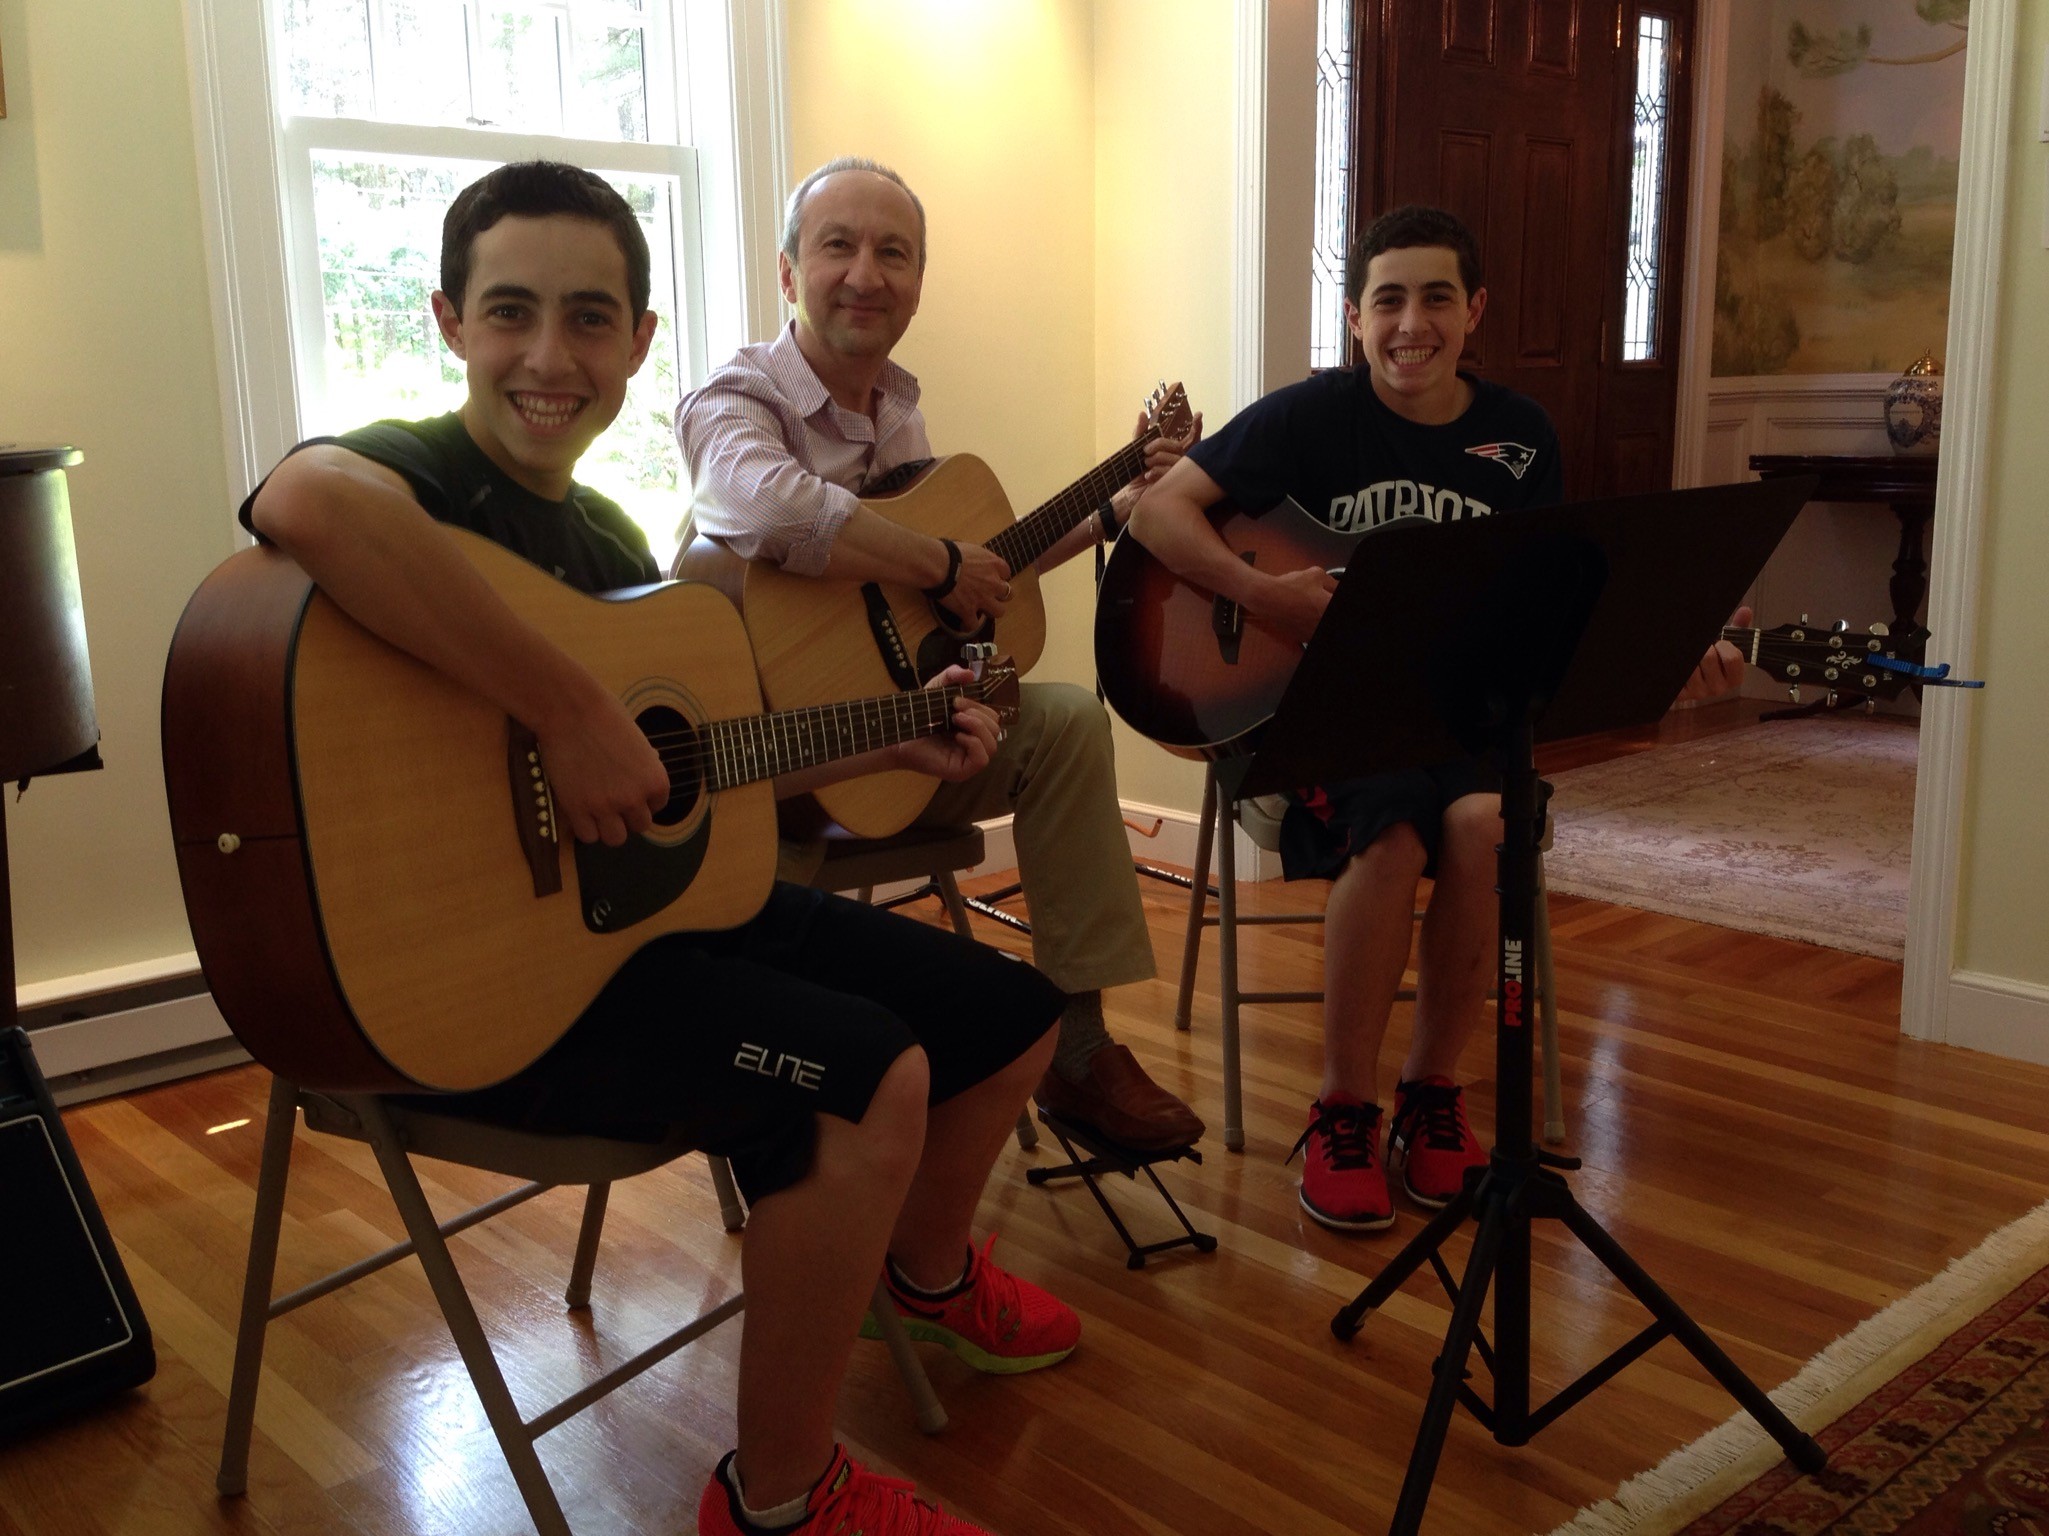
{"type": "Point", "coordinates": [963, 752]}
{"type": "Point", "coordinates": [1721, 669]}
{"type": "Point", "coordinates": [982, 586]}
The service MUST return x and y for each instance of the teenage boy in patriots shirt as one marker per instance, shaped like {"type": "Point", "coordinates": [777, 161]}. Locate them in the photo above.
{"type": "Point", "coordinates": [1405, 435]}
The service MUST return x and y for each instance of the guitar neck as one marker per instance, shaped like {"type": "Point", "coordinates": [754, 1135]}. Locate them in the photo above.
{"type": "Point", "coordinates": [1745, 640]}
{"type": "Point", "coordinates": [1023, 542]}
{"type": "Point", "coordinates": [727, 753]}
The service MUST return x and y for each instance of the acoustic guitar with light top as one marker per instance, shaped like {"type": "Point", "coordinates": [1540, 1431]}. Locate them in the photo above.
{"type": "Point", "coordinates": [369, 851]}
{"type": "Point", "coordinates": [816, 641]}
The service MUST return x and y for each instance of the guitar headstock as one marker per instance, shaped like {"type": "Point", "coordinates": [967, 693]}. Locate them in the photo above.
{"type": "Point", "coordinates": [997, 687]}
{"type": "Point", "coordinates": [1808, 655]}
{"type": "Point", "coordinates": [1168, 413]}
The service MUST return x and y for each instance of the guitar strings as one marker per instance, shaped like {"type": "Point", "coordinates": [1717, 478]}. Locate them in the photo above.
{"type": "Point", "coordinates": [1037, 532]}
{"type": "Point", "coordinates": [715, 744]}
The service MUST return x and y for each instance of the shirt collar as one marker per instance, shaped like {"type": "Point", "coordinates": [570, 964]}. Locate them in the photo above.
{"type": "Point", "coordinates": [802, 387]}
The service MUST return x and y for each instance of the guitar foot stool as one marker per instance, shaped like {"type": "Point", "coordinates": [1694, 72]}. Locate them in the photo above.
{"type": "Point", "coordinates": [1090, 1155]}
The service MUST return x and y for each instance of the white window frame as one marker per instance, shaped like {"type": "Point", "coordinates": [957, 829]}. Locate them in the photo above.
{"type": "Point", "coordinates": [256, 202]}
{"type": "Point", "coordinates": [304, 137]}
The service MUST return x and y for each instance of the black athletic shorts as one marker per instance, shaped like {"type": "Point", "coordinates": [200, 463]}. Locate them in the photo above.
{"type": "Point", "coordinates": [739, 1040]}
{"type": "Point", "coordinates": [1325, 827]}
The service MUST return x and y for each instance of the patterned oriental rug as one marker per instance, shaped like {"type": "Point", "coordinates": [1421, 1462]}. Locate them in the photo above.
{"type": "Point", "coordinates": [1799, 828]}
{"type": "Point", "coordinates": [1936, 1416]}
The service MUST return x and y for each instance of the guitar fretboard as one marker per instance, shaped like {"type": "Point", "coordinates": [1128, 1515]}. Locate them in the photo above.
{"type": "Point", "coordinates": [1032, 535]}
{"type": "Point", "coordinates": [733, 752]}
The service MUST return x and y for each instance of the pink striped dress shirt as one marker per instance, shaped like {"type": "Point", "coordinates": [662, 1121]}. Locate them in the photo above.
{"type": "Point", "coordinates": [775, 465]}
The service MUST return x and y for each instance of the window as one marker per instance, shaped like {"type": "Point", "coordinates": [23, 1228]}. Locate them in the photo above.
{"type": "Point", "coordinates": [1649, 168]}
{"type": "Point", "coordinates": [389, 108]}
{"type": "Point", "coordinates": [356, 116]}
{"type": "Point", "coordinates": [1329, 342]}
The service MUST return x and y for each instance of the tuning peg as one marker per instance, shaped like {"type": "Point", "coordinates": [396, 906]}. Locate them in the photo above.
{"type": "Point", "coordinates": [1793, 693]}
{"type": "Point", "coordinates": [1871, 706]}
{"type": "Point", "coordinates": [1805, 620]}
{"type": "Point", "coordinates": [1840, 627]}
{"type": "Point", "coordinates": [1880, 629]}
{"type": "Point", "coordinates": [1831, 704]}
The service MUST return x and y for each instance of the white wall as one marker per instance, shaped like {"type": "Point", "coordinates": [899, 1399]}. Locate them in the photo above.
{"type": "Point", "coordinates": [106, 343]}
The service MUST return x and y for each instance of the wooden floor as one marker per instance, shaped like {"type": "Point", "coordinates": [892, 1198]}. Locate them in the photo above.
{"type": "Point", "coordinates": [1755, 1130]}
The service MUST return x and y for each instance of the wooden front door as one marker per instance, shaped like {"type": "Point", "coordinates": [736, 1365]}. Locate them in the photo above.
{"type": "Point", "coordinates": [1520, 117]}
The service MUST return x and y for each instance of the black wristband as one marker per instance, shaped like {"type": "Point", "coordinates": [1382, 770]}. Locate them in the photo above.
{"type": "Point", "coordinates": [945, 584]}
{"type": "Point", "coordinates": [1106, 518]}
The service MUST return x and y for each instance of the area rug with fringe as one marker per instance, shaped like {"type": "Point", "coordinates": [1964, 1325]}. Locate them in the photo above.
{"type": "Point", "coordinates": [1797, 828]}
{"type": "Point", "coordinates": [1934, 1414]}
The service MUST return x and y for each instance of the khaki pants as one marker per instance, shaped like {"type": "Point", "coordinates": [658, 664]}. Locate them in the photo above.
{"type": "Point", "coordinates": [1056, 773]}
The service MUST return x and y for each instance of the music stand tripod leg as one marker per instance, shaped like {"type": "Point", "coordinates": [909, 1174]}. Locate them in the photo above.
{"type": "Point", "coordinates": [1450, 1371]}
{"type": "Point", "coordinates": [1800, 1448]}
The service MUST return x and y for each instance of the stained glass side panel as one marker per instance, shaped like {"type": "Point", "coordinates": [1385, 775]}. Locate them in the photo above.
{"type": "Point", "coordinates": [1327, 337]}
{"type": "Point", "coordinates": [1649, 168]}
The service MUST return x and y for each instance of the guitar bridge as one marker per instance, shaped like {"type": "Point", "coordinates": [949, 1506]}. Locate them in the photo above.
{"type": "Point", "coordinates": [533, 809]}
{"type": "Point", "coordinates": [1227, 620]}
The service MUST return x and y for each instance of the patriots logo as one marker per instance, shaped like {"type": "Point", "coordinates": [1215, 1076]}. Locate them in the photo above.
{"type": "Point", "coordinates": [1513, 457]}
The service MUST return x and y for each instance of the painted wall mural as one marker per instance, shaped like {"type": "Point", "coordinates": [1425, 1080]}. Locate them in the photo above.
{"type": "Point", "coordinates": [1839, 178]}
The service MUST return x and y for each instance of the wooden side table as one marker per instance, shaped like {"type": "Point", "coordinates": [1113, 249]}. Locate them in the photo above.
{"type": "Point", "coordinates": [1906, 484]}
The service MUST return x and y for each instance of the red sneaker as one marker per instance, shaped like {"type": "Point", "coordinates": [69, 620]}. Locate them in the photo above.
{"type": "Point", "coordinates": [849, 1498]}
{"type": "Point", "coordinates": [1431, 1141]}
{"type": "Point", "coordinates": [996, 1322]}
{"type": "Point", "coordinates": [1344, 1185]}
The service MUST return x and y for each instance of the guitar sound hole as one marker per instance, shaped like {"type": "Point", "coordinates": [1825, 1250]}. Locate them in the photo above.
{"type": "Point", "coordinates": [677, 742]}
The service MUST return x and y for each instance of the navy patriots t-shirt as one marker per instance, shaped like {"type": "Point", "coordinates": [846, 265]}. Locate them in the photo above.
{"type": "Point", "coordinates": [1346, 459]}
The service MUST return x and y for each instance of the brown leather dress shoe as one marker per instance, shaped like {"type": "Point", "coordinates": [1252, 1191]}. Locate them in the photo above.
{"type": "Point", "coordinates": [1119, 1100]}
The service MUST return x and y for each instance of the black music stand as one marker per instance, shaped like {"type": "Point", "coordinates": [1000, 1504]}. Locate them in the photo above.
{"type": "Point", "coordinates": [1494, 635]}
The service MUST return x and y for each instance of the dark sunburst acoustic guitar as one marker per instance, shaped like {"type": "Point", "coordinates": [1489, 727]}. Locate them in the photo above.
{"type": "Point", "coordinates": [1199, 675]}
{"type": "Point", "coordinates": [368, 850]}
{"type": "Point", "coordinates": [816, 641]}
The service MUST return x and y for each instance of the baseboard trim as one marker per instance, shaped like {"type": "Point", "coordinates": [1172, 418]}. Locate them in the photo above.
{"type": "Point", "coordinates": [1999, 1015]}
{"type": "Point", "coordinates": [114, 1051]}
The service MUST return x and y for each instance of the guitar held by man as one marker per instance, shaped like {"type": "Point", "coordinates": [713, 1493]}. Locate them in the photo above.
{"type": "Point", "coordinates": [817, 641]}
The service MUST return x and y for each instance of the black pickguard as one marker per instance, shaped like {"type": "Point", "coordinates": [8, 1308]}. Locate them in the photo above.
{"type": "Point", "coordinates": [621, 886]}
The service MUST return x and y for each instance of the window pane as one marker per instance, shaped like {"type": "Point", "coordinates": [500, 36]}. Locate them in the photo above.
{"type": "Point", "coordinates": [379, 221]}
{"type": "Point", "coordinates": [634, 463]}
{"type": "Point", "coordinates": [423, 63]}
{"type": "Point", "coordinates": [518, 78]}
{"type": "Point", "coordinates": [327, 48]}
{"type": "Point", "coordinates": [1647, 190]}
{"type": "Point", "coordinates": [608, 98]}
{"type": "Point", "coordinates": [1327, 336]}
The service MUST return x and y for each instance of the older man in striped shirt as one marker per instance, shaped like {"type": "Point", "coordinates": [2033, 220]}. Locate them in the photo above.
{"type": "Point", "coordinates": [779, 443]}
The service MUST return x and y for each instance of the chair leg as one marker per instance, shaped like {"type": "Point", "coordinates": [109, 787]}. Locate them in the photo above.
{"type": "Point", "coordinates": [1547, 1014]}
{"type": "Point", "coordinates": [1198, 899]}
{"type": "Point", "coordinates": [925, 1404]}
{"type": "Point", "coordinates": [956, 909]}
{"type": "Point", "coordinates": [731, 1211]}
{"type": "Point", "coordinates": [280, 1121]}
{"type": "Point", "coordinates": [578, 1295]}
{"type": "Point", "coordinates": [514, 1439]}
{"type": "Point", "coordinates": [1227, 976]}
